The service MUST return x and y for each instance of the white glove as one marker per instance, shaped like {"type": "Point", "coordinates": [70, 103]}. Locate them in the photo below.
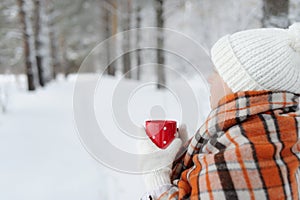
{"type": "Point", "coordinates": [156, 162]}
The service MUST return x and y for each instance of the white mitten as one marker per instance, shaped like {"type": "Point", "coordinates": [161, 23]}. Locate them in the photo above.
{"type": "Point", "coordinates": [156, 163]}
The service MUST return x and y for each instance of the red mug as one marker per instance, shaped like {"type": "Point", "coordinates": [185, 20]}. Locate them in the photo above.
{"type": "Point", "coordinates": [161, 132]}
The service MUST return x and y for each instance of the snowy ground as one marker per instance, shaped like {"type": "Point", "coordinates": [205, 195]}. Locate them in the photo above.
{"type": "Point", "coordinates": [42, 156]}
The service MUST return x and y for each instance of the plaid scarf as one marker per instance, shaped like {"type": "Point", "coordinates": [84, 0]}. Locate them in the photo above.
{"type": "Point", "coordinates": [246, 149]}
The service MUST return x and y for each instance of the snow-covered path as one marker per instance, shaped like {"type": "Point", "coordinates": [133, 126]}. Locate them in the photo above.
{"type": "Point", "coordinates": [42, 157]}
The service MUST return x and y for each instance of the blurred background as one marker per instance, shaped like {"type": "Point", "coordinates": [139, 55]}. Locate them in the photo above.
{"type": "Point", "coordinates": [43, 44]}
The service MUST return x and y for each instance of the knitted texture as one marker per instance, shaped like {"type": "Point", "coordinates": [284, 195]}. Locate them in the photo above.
{"type": "Point", "coordinates": [157, 178]}
{"type": "Point", "coordinates": [260, 59]}
{"type": "Point", "coordinates": [156, 163]}
{"type": "Point", "coordinates": [248, 148]}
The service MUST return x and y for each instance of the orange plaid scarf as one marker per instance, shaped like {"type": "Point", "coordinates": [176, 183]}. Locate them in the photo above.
{"type": "Point", "coordinates": [246, 149]}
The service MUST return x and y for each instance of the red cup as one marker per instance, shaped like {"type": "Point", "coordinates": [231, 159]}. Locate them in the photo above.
{"type": "Point", "coordinates": [161, 132]}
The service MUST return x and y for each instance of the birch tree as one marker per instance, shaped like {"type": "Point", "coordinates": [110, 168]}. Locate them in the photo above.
{"type": "Point", "coordinates": [138, 39]}
{"type": "Point", "coordinates": [53, 38]}
{"type": "Point", "coordinates": [109, 18]}
{"type": "Point", "coordinates": [161, 77]}
{"type": "Point", "coordinates": [126, 21]}
{"type": "Point", "coordinates": [28, 49]}
{"type": "Point", "coordinates": [37, 41]}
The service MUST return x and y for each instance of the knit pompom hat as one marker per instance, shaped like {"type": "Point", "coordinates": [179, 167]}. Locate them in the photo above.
{"type": "Point", "coordinates": [260, 59]}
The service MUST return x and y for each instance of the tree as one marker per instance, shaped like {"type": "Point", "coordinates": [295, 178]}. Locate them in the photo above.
{"type": "Point", "coordinates": [126, 21]}
{"type": "Point", "coordinates": [24, 21]}
{"type": "Point", "coordinates": [275, 13]}
{"type": "Point", "coordinates": [37, 41]}
{"type": "Point", "coordinates": [138, 39]}
{"type": "Point", "coordinates": [53, 38]}
{"type": "Point", "coordinates": [109, 10]}
{"type": "Point", "coordinates": [159, 4]}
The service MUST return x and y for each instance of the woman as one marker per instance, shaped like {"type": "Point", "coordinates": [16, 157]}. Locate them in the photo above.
{"type": "Point", "coordinates": [248, 146]}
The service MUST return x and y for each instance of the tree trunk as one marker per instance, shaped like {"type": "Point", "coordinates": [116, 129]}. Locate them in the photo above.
{"type": "Point", "coordinates": [62, 44]}
{"type": "Point", "coordinates": [37, 42]}
{"type": "Point", "coordinates": [26, 45]}
{"type": "Point", "coordinates": [110, 20]}
{"type": "Point", "coordinates": [52, 39]}
{"type": "Point", "coordinates": [126, 18]}
{"type": "Point", "coordinates": [275, 13]}
{"type": "Point", "coordinates": [160, 45]}
{"type": "Point", "coordinates": [138, 41]}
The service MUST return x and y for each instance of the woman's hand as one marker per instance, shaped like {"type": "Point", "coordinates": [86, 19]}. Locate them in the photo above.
{"type": "Point", "coordinates": [156, 162]}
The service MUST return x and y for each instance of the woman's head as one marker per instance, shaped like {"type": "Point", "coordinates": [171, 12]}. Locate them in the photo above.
{"type": "Point", "coordinates": [256, 59]}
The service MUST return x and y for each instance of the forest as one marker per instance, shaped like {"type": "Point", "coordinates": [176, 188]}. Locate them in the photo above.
{"type": "Point", "coordinates": [43, 38]}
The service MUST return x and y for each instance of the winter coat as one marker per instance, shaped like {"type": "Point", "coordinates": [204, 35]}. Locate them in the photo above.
{"type": "Point", "coordinates": [248, 148]}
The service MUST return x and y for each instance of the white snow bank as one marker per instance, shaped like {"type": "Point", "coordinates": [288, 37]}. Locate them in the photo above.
{"type": "Point", "coordinates": [41, 154]}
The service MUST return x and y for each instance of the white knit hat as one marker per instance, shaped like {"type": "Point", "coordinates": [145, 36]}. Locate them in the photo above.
{"type": "Point", "coordinates": [260, 59]}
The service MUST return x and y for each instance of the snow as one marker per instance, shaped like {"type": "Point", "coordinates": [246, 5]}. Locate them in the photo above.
{"type": "Point", "coordinates": [41, 151]}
